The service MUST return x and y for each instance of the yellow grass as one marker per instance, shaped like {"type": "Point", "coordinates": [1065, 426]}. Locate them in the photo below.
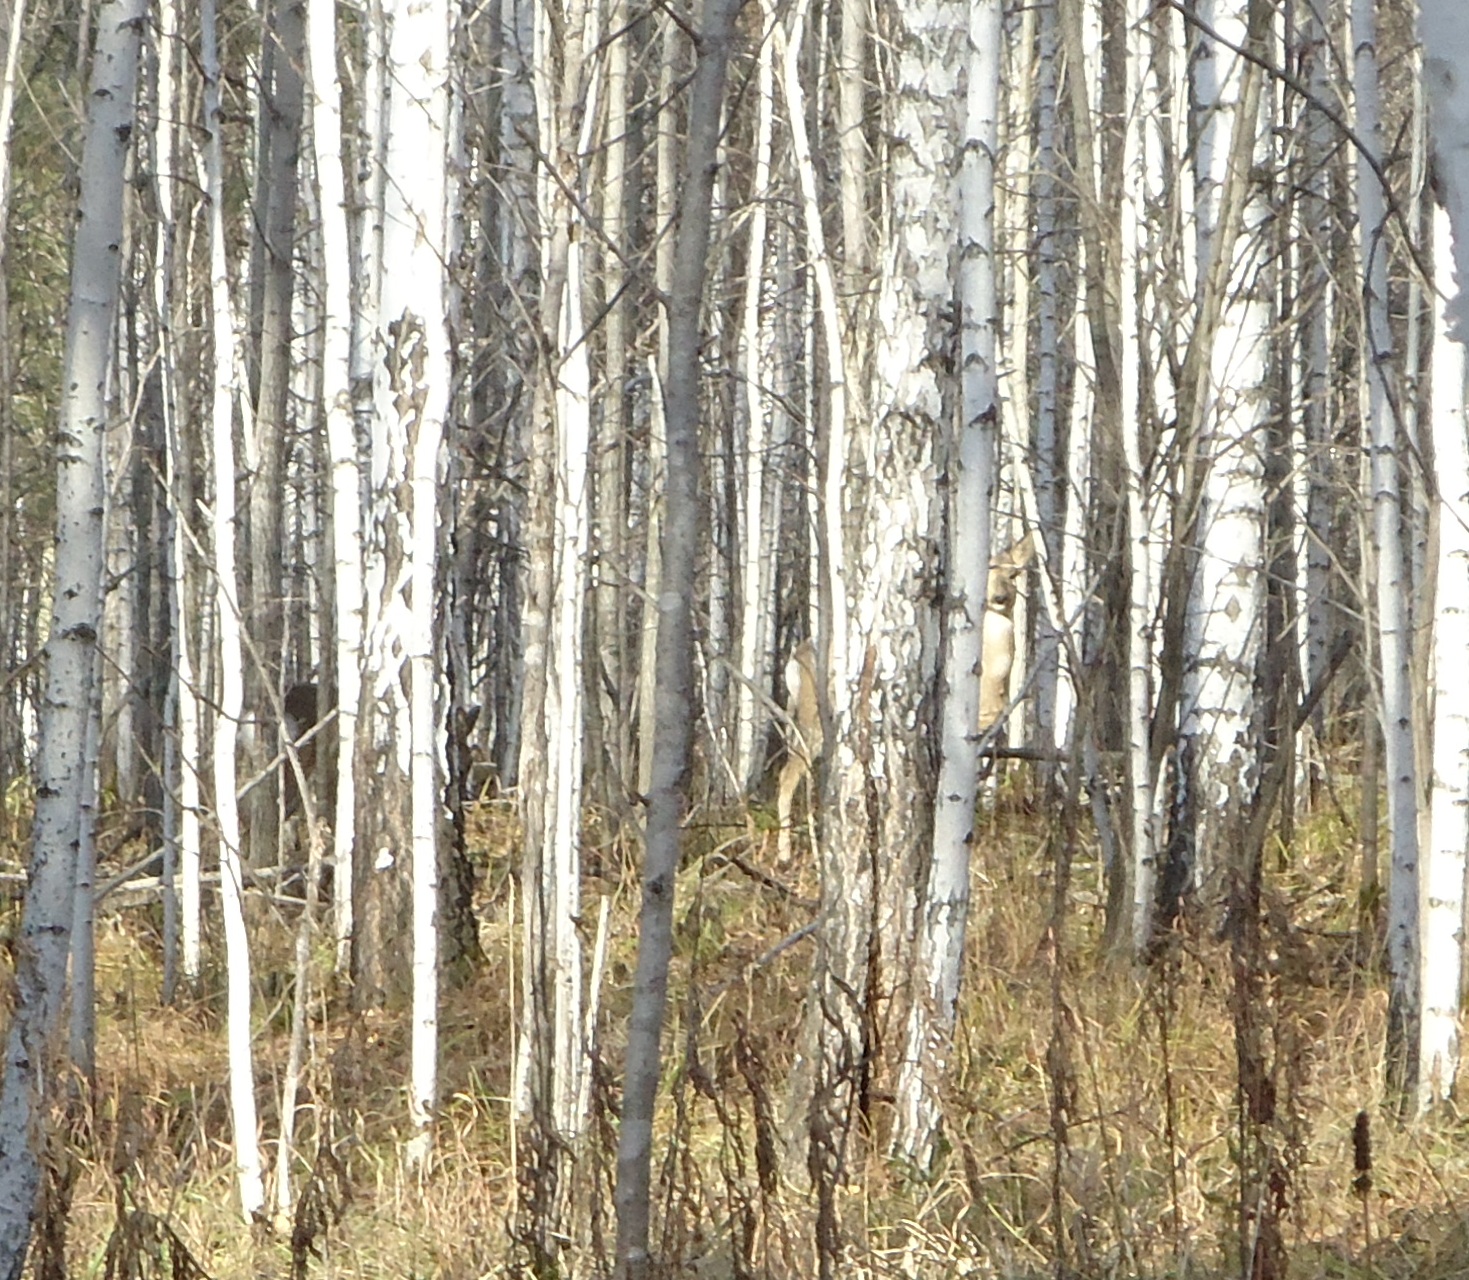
{"type": "Point", "coordinates": [1146, 1161]}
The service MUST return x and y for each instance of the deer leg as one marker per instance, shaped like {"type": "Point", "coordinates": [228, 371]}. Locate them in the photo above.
{"type": "Point", "coordinates": [791, 774]}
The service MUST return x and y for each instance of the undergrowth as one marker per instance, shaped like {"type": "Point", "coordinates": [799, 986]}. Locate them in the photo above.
{"type": "Point", "coordinates": [1102, 1119]}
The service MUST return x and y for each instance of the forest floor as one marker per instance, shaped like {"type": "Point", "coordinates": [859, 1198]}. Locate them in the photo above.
{"type": "Point", "coordinates": [1094, 1115]}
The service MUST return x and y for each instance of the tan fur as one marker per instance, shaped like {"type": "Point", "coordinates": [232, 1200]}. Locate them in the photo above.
{"type": "Point", "coordinates": [999, 630]}
{"type": "Point", "coordinates": [806, 744]}
{"type": "Point", "coordinates": [806, 747]}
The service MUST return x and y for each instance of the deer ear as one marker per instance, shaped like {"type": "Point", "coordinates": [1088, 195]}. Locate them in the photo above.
{"type": "Point", "coordinates": [1017, 555]}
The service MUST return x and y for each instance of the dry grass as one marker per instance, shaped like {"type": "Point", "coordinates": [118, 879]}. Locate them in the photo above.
{"type": "Point", "coordinates": [1097, 1136]}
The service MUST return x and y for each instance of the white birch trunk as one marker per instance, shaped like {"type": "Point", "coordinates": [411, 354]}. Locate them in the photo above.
{"type": "Point", "coordinates": [83, 1030]}
{"type": "Point", "coordinates": [1222, 623]}
{"type": "Point", "coordinates": [829, 328]}
{"type": "Point", "coordinates": [231, 664]}
{"type": "Point", "coordinates": [945, 911]}
{"type": "Point", "coordinates": [346, 478]}
{"type": "Point", "coordinates": [1444, 854]}
{"type": "Point", "coordinates": [40, 946]}
{"type": "Point", "coordinates": [1394, 590]}
{"type": "Point", "coordinates": [562, 861]}
{"type": "Point", "coordinates": [1139, 528]}
{"type": "Point", "coordinates": [416, 394]}
{"type": "Point", "coordinates": [180, 762]}
{"type": "Point", "coordinates": [754, 633]}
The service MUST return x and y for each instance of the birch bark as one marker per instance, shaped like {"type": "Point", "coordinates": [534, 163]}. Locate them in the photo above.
{"type": "Point", "coordinates": [1394, 584]}
{"type": "Point", "coordinates": [1444, 854]}
{"type": "Point", "coordinates": [346, 476]}
{"type": "Point", "coordinates": [40, 946]}
{"type": "Point", "coordinates": [945, 909]}
{"type": "Point", "coordinates": [226, 602]}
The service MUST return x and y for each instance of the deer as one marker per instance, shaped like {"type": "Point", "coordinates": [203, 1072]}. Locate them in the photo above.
{"type": "Point", "coordinates": [803, 709]}
{"type": "Point", "coordinates": [998, 640]}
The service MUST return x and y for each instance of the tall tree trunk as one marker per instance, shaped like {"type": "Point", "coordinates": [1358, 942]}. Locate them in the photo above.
{"type": "Point", "coordinates": [1444, 853]}
{"type": "Point", "coordinates": [346, 476]}
{"type": "Point", "coordinates": [755, 633]}
{"type": "Point", "coordinates": [1394, 587]}
{"type": "Point", "coordinates": [1221, 401]}
{"type": "Point", "coordinates": [610, 672]}
{"type": "Point", "coordinates": [40, 946]}
{"type": "Point", "coordinates": [945, 909]}
{"type": "Point", "coordinates": [1142, 858]}
{"type": "Point", "coordinates": [829, 408]}
{"type": "Point", "coordinates": [226, 387]}
{"type": "Point", "coordinates": [412, 394]}
{"type": "Point", "coordinates": [272, 272]}
{"type": "Point", "coordinates": [554, 1062]}
{"type": "Point", "coordinates": [673, 730]}
{"type": "Point", "coordinates": [1316, 287]}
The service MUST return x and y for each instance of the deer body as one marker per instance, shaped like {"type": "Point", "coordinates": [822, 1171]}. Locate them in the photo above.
{"type": "Point", "coordinates": [802, 753]}
{"type": "Point", "coordinates": [996, 663]}
{"type": "Point", "coordinates": [998, 634]}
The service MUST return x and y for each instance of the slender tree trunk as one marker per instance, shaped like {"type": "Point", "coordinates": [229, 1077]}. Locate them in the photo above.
{"type": "Point", "coordinates": [272, 280]}
{"type": "Point", "coordinates": [945, 911]}
{"type": "Point", "coordinates": [1143, 855]}
{"type": "Point", "coordinates": [40, 946]}
{"type": "Point", "coordinates": [610, 672]}
{"type": "Point", "coordinates": [673, 730]}
{"type": "Point", "coordinates": [1444, 854]}
{"type": "Point", "coordinates": [12, 31]}
{"type": "Point", "coordinates": [830, 409]}
{"type": "Point", "coordinates": [180, 827]}
{"type": "Point", "coordinates": [83, 1029]}
{"type": "Point", "coordinates": [1316, 288]}
{"type": "Point", "coordinates": [1222, 592]}
{"type": "Point", "coordinates": [1394, 626]}
{"type": "Point", "coordinates": [753, 660]}
{"type": "Point", "coordinates": [346, 476]}
{"type": "Point", "coordinates": [227, 619]}
{"type": "Point", "coordinates": [554, 1064]}
{"type": "Point", "coordinates": [413, 402]}
{"type": "Point", "coordinates": [1052, 707]}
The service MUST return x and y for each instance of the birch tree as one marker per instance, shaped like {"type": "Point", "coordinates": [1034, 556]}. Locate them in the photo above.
{"type": "Point", "coordinates": [1394, 585]}
{"type": "Point", "coordinates": [399, 738]}
{"type": "Point", "coordinates": [552, 1063]}
{"type": "Point", "coordinates": [673, 730]}
{"type": "Point", "coordinates": [946, 900]}
{"type": "Point", "coordinates": [754, 635]}
{"type": "Point", "coordinates": [1444, 852]}
{"type": "Point", "coordinates": [226, 602]}
{"type": "Point", "coordinates": [1144, 836]}
{"type": "Point", "coordinates": [272, 283]}
{"type": "Point", "coordinates": [40, 947]}
{"type": "Point", "coordinates": [1223, 402]}
{"type": "Point", "coordinates": [412, 404]}
{"type": "Point", "coordinates": [346, 478]}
